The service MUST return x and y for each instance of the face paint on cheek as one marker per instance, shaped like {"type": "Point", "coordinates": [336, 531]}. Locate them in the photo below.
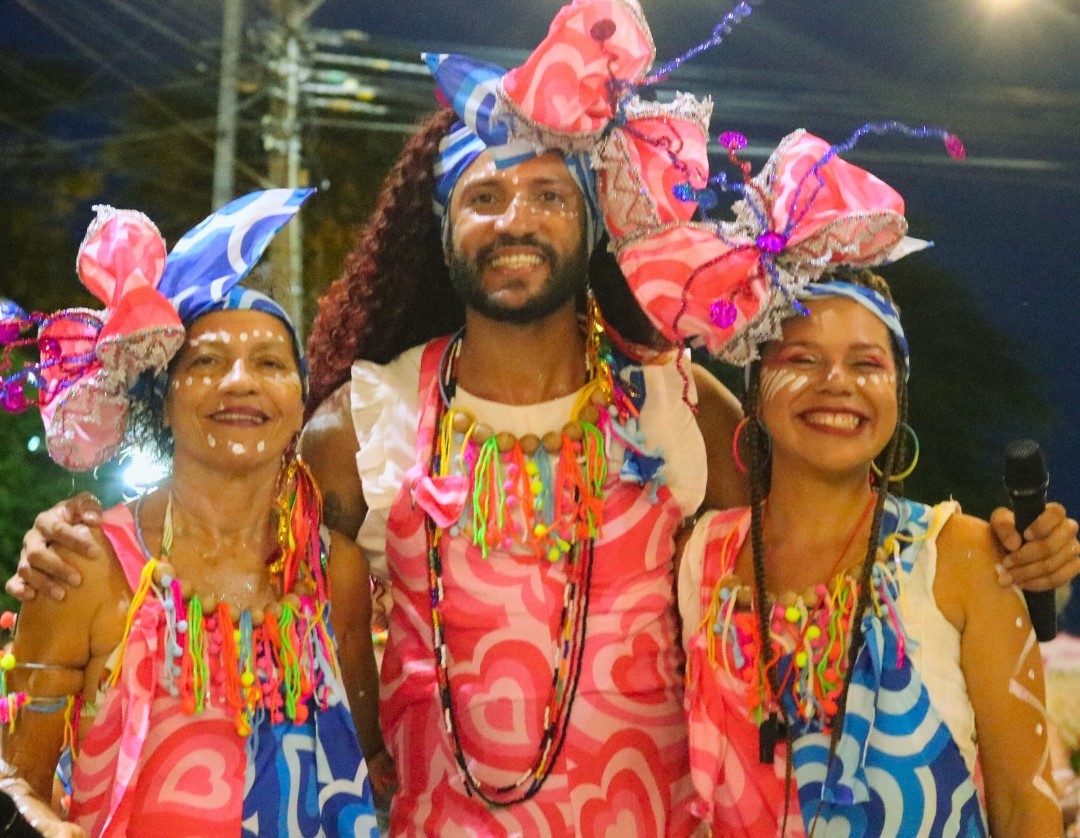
{"type": "Point", "coordinates": [243, 337]}
{"type": "Point", "coordinates": [175, 384]}
{"type": "Point", "coordinates": [211, 441]}
{"type": "Point", "coordinates": [861, 380]}
{"type": "Point", "coordinates": [188, 381]}
{"type": "Point", "coordinates": [773, 380]}
{"type": "Point", "coordinates": [261, 446]}
{"type": "Point", "coordinates": [237, 448]}
{"type": "Point", "coordinates": [206, 380]}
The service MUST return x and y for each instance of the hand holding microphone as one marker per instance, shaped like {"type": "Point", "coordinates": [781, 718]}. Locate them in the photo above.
{"type": "Point", "coordinates": [1026, 479]}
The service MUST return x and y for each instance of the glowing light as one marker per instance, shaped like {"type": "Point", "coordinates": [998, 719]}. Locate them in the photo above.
{"type": "Point", "coordinates": [142, 471]}
{"type": "Point", "coordinates": [33, 444]}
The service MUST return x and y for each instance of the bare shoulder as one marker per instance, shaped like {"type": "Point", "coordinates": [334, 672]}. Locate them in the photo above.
{"type": "Point", "coordinates": [965, 538]}
{"type": "Point", "coordinates": [967, 553]}
{"type": "Point", "coordinates": [329, 432]}
{"type": "Point", "coordinates": [328, 445]}
{"type": "Point", "coordinates": [64, 632]}
{"type": "Point", "coordinates": [718, 413]}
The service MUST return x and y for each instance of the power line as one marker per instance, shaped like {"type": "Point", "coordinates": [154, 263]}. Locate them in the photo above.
{"type": "Point", "coordinates": [143, 94]}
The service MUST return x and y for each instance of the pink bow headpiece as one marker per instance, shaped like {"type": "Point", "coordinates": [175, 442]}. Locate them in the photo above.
{"type": "Point", "coordinates": [728, 287]}
{"type": "Point", "coordinates": [723, 286]}
{"type": "Point", "coordinates": [89, 359]}
{"type": "Point", "coordinates": [576, 92]}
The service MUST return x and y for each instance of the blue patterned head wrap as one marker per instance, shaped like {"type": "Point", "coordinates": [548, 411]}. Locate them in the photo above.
{"type": "Point", "coordinates": [872, 301]}
{"type": "Point", "coordinates": [204, 269]}
{"type": "Point", "coordinates": [470, 87]}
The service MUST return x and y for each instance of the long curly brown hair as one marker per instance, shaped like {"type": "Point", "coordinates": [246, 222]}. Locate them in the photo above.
{"type": "Point", "coordinates": [395, 292]}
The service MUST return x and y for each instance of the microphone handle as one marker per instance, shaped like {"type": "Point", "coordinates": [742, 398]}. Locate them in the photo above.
{"type": "Point", "coordinates": [1041, 604]}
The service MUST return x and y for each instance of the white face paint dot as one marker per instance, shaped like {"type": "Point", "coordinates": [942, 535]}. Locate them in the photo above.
{"type": "Point", "coordinates": [861, 381]}
{"type": "Point", "coordinates": [261, 446]}
{"type": "Point", "coordinates": [188, 381]}
{"type": "Point", "coordinates": [237, 448]}
{"type": "Point", "coordinates": [211, 441]}
{"type": "Point", "coordinates": [255, 333]}
{"type": "Point", "coordinates": [1019, 622]}
{"type": "Point", "coordinates": [243, 337]}
{"type": "Point", "coordinates": [225, 337]}
{"type": "Point", "coordinates": [1039, 729]}
{"type": "Point", "coordinates": [206, 380]}
{"type": "Point", "coordinates": [175, 384]}
{"type": "Point", "coordinates": [1031, 674]}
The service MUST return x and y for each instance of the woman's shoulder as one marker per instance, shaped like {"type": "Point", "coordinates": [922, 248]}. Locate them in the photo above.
{"type": "Point", "coordinates": [964, 537]}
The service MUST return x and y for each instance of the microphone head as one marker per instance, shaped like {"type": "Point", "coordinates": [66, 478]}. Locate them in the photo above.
{"type": "Point", "coordinates": [1025, 468]}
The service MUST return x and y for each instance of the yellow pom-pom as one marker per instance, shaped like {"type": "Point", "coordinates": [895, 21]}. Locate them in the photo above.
{"type": "Point", "coordinates": [7, 662]}
{"type": "Point", "coordinates": [247, 679]}
{"type": "Point", "coordinates": [801, 659]}
{"type": "Point", "coordinates": [813, 633]}
{"type": "Point", "coordinates": [792, 614]}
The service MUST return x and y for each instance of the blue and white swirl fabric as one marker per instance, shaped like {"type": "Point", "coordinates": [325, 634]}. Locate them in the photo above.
{"type": "Point", "coordinates": [897, 770]}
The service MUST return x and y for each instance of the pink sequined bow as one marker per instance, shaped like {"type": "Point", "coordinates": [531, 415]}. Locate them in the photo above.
{"type": "Point", "coordinates": [576, 93]}
{"type": "Point", "coordinates": [729, 287]}
{"type": "Point", "coordinates": [89, 360]}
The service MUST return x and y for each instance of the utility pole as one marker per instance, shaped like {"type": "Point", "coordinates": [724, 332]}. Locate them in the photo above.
{"type": "Point", "coordinates": [283, 143]}
{"type": "Point", "coordinates": [225, 147]}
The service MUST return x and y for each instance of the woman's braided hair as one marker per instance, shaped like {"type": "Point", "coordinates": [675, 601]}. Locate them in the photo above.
{"type": "Point", "coordinates": [758, 457]}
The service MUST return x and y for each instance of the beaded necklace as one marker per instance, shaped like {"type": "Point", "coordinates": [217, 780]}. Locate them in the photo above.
{"type": "Point", "coordinates": [561, 508]}
{"type": "Point", "coordinates": [259, 662]}
{"type": "Point", "coordinates": [809, 634]}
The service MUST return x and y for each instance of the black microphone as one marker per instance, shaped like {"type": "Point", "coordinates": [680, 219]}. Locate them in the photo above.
{"type": "Point", "coordinates": [1026, 479]}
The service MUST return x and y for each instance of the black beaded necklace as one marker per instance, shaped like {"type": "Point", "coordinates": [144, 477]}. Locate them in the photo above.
{"type": "Point", "coordinates": [569, 652]}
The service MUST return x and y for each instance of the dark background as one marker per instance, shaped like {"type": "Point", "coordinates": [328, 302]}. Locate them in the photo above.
{"type": "Point", "coordinates": [114, 101]}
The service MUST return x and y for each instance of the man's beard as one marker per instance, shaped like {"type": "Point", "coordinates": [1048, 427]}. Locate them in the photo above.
{"type": "Point", "coordinates": [567, 279]}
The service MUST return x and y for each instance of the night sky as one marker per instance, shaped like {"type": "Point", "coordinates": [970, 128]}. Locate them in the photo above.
{"type": "Point", "coordinates": [1004, 76]}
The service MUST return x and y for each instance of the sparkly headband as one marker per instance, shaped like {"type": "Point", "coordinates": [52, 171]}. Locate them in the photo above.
{"type": "Point", "coordinates": [877, 304]}
{"type": "Point", "coordinates": [470, 87]}
{"type": "Point", "coordinates": [89, 360]}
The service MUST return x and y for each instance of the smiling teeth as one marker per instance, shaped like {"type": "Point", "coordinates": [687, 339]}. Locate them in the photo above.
{"type": "Point", "coordinates": [846, 421]}
{"type": "Point", "coordinates": [520, 260]}
{"type": "Point", "coordinates": [238, 417]}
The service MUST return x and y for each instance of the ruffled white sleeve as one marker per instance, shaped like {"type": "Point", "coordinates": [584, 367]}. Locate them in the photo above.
{"type": "Point", "coordinates": [384, 411]}
{"type": "Point", "coordinates": [670, 425]}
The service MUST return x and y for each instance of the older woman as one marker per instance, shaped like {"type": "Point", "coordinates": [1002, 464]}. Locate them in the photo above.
{"type": "Point", "coordinates": [197, 677]}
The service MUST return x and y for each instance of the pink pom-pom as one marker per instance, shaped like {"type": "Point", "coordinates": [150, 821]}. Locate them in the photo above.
{"type": "Point", "coordinates": [12, 397]}
{"type": "Point", "coordinates": [955, 146]}
{"type": "Point", "coordinates": [732, 141]}
{"type": "Point", "coordinates": [602, 30]}
{"type": "Point", "coordinates": [723, 313]}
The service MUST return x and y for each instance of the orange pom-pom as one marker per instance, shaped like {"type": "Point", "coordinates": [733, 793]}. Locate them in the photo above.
{"type": "Point", "coordinates": [301, 714]}
{"type": "Point", "coordinates": [7, 620]}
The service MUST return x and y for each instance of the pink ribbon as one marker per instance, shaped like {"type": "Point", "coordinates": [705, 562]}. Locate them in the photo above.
{"type": "Point", "coordinates": [90, 359]}
{"type": "Point", "coordinates": [729, 290]}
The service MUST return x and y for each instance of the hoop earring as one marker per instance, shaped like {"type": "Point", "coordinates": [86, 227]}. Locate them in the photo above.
{"type": "Point", "coordinates": [737, 437]}
{"type": "Point", "coordinates": [906, 473]}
